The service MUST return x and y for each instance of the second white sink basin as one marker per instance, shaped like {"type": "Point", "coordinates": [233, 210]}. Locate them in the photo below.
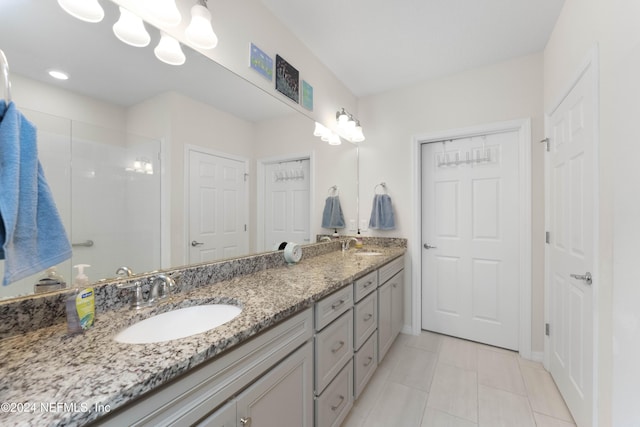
{"type": "Point", "coordinates": [178, 323]}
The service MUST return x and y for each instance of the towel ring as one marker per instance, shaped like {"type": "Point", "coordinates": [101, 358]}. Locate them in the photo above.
{"type": "Point", "coordinates": [333, 189]}
{"type": "Point", "coordinates": [5, 74]}
{"type": "Point", "coordinates": [384, 188]}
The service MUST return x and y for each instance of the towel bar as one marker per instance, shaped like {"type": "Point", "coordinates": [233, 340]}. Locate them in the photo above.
{"type": "Point", "coordinates": [87, 243]}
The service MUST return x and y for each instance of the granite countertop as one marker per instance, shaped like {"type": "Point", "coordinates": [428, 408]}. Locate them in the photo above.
{"type": "Point", "coordinates": [51, 378]}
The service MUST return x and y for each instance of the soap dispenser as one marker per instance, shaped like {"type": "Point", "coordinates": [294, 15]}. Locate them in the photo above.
{"type": "Point", "coordinates": [80, 304]}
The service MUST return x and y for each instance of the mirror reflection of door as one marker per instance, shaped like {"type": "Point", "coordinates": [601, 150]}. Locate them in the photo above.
{"type": "Point", "coordinates": [287, 201]}
{"type": "Point", "coordinates": [217, 206]}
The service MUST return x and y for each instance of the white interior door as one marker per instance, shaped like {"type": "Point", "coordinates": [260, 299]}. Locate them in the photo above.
{"type": "Point", "coordinates": [571, 205]}
{"type": "Point", "coordinates": [217, 207]}
{"type": "Point", "coordinates": [470, 236]}
{"type": "Point", "coordinates": [287, 186]}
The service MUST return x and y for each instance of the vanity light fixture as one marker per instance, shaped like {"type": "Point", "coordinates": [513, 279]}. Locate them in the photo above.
{"type": "Point", "coordinates": [85, 10]}
{"type": "Point", "coordinates": [130, 29]}
{"type": "Point", "coordinates": [349, 127]}
{"type": "Point", "coordinates": [334, 139]}
{"type": "Point", "coordinates": [168, 50]}
{"type": "Point", "coordinates": [200, 32]}
{"type": "Point", "coordinates": [164, 11]}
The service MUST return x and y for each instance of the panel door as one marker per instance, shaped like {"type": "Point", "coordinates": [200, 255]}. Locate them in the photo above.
{"type": "Point", "coordinates": [287, 186]}
{"type": "Point", "coordinates": [217, 208]}
{"type": "Point", "coordinates": [470, 235]}
{"type": "Point", "coordinates": [570, 165]}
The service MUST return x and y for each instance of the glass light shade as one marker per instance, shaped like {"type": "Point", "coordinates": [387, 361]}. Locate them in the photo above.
{"type": "Point", "coordinates": [334, 140]}
{"type": "Point", "coordinates": [85, 10]}
{"type": "Point", "coordinates": [130, 29]}
{"type": "Point", "coordinates": [164, 11]}
{"type": "Point", "coordinates": [357, 135]}
{"type": "Point", "coordinates": [350, 127]}
{"type": "Point", "coordinates": [319, 130]}
{"type": "Point", "coordinates": [342, 119]}
{"type": "Point", "coordinates": [199, 32]}
{"type": "Point", "coordinates": [169, 50]}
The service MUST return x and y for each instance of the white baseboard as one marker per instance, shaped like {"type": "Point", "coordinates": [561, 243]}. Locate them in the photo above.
{"type": "Point", "coordinates": [537, 356]}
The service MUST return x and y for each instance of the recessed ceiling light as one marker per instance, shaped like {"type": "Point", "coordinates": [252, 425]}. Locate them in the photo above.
{"type": "Point", "coordinates": [60, 75]}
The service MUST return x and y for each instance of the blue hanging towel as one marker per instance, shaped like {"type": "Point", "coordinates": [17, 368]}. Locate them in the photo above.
{"type": "Point", "coordinates": [332, 215]}
{"type": "Point", "coordinates": [31, 231]}
{"type": "Point", "coordinates": [382, 213]}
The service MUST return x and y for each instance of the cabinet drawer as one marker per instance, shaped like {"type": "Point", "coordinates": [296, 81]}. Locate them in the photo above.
{"type": "Point", "coordinates": [335, 403]}
{"type": "Point", "coordinates": [389, 270]}
{"type": "Point", "coordinates": [365, 319]}
{"type": "Point", "coordinates": [365, 285]}
{"type": "Point", "coordinates": [365, 362]}
{"type": "Point", "coordinates": [333, 348]}
{"type": "Point", "coordinates": [329, 308]}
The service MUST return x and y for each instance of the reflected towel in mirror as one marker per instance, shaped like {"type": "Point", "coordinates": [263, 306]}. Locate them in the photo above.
{"type": "Point", "coordinates": [31, 231]}
{"type": "Point", "coordinates": [332, 215]}
{"type": "Point", "coordinates": [382, 213]}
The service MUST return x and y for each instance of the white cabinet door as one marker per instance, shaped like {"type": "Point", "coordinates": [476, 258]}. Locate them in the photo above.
{"type": "Point", "coordinates": [282, 397]}
{"type": "Point", "coordinates": [223, 417]}
{"type": "Point", "coordinates": [385, 335]}
{"type": "Point", "coordinates": [397, 304]}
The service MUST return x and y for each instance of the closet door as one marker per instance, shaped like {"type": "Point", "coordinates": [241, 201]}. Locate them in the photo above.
{"type": "Point", "coordinates": [471, 242]}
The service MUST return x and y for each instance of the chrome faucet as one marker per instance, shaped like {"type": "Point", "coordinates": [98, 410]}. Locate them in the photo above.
{"type": "Point", "coordinates": [161, 286]}
{"type": "Point", "coordinates": [325, 239]}
{"type": "Point", "coordinates": [160, 291]}
{"type": "Point", "coordinates": [345, 243]}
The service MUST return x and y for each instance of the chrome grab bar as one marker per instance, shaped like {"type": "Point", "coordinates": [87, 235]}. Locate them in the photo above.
{"type": "Point", "coordinates": [86, 243]}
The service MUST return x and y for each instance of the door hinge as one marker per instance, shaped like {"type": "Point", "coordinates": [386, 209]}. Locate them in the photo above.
{"type": "Point", "coordinates": [546, 329]}
{"type": "Point", "coordinates": [246, 175]}
{"type": "Point", "coordinates": [547, 142]}
{"type": "Point", "coordinates": [245, 227]}
{"type": "Point", "coordinates": [547, 237]}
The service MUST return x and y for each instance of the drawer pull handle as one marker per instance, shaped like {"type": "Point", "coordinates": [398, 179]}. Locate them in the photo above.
{"type": "Point", "coordinates": [333, 408]}
{"type": "Point", "coordinates": [337, 304]}
{"type": "Point", "coordinates": [367, 317]}
{"type": "Point", "coordinates": [246, 421]}
{"type": "Point", "coordinates": [368, 362]}
{"type": "Point", "coordinates": [338, 347]}
{"type": "Point", "coordinates": [369, 283]}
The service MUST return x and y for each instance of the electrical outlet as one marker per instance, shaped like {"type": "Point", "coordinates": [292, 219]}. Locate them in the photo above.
{"type": "Point", "coordinates": [352, 225]}
{"type": "Point", "coordinates": [364, 225]}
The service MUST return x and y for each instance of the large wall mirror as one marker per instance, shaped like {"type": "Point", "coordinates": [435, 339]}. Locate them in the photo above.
{"type": "Point", "coordinates": [133, 149]}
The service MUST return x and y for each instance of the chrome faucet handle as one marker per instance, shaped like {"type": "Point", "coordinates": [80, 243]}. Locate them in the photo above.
{"type": "Point", "coordinates": [137, 301]}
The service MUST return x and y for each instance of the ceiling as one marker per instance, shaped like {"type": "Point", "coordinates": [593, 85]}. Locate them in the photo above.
{"type": "Point", "coordinates": [373, 46]}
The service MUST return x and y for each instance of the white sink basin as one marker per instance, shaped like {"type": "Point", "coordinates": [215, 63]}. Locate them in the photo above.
{"type": "Point", "coordinates": [368, 253]}
{"type": "Point", "coordinates": [179, 323]}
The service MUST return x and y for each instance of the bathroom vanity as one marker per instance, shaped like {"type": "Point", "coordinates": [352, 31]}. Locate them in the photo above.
{"type": "Point", "coordinates": [308, 339]}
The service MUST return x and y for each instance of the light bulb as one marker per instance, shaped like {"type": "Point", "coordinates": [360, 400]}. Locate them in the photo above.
{"type": "Point", "coordinates": [319, 130]}
{"type": "Point", "coordinates": [164, 11]}
{"type": "Point", "coordinates": [342, 118]}
{"type": "Point", "coordinates": [357, 135]}
{"type": "Point", "coordinates": [130, 29]}
{"type": "Point", "coordinates": [168, 50]}
{"type": "Point", "coordinates": [199, 32]}
{"type": "Point", "coordinates": [85, 10]}
{"type": "Point", "coordinates": [334, 140]}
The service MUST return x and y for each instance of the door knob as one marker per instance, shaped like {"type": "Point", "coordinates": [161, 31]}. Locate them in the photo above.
{"type": "Point", "coordinates": [586, 277]}
{"type": "Point", "coordinates": [427, 246]}
{"type": "Point", "coordinates": [246, 421]}
{"type": "Point", "coordinates": [194, 243]}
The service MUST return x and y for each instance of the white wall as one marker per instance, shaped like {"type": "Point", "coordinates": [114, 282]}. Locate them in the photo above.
{"type": "Point", "coordinates": [500, 92]}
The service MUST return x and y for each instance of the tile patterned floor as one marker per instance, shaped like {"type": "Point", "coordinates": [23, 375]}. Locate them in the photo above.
{"type": "Point", "coordinates": [434, 380]}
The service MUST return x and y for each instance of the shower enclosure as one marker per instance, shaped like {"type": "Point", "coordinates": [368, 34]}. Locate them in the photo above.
{"type": "Point", "coordinates": [106, 185]}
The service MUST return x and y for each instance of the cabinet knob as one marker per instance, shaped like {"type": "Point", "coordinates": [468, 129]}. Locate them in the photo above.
{"type": "Point", "coordinates": [246, 421]}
